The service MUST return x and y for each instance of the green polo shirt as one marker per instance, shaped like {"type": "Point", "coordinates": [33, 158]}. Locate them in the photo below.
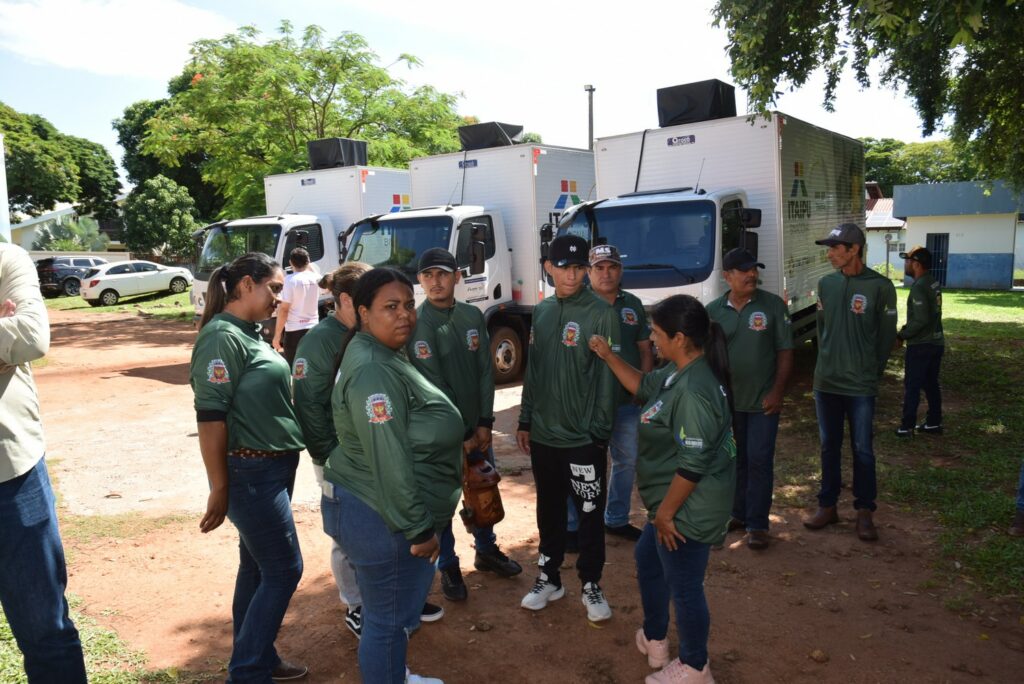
{"type": "Point", "coordinates": [633, 328]}
{"type": "Point", "coordinates": [234, 371]}
{"type": "Point", "coordinates": [756, 333]}
{"type": "Point", "coordinates": [450, 347]}
{"type": "Point", "coordinates": [313, 374]}
{"type": "Point", "coordinates": [400, 440]}
{"type": "Point", "coordinates": [924, 313]}
{"type": "Point", "coordinates": [685, 424]}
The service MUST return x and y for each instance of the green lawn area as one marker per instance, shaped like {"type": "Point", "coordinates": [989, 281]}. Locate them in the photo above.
{"type": "Point", "coordinates": [175, 307]}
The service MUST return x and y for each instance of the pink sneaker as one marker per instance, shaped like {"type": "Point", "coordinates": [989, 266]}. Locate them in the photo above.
{"type": "Point", "coordinates": [656, 650]}
{"type": "Point", "coordinates": [678, 673]}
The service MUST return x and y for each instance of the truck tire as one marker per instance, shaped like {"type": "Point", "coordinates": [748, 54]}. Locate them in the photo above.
{"type": "Point", "coordinates": [508, 354]}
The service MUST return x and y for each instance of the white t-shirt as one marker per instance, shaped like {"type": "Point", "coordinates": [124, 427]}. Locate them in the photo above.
{"type": "Point", "coordinates": [302, 293]}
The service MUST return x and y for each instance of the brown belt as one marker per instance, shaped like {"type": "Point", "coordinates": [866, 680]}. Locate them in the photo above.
{"type": "Point", "coordinates": [246, 452]}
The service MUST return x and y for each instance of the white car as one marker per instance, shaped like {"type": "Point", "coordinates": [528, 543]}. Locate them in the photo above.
{"type": "Point", "coordinates": [106, 285]}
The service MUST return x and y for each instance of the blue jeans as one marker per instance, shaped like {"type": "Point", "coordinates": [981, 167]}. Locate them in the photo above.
{"type": "Point", "coordinates": [1020, 490]}
{"type": "Point", "coordinates": [484, 538]}
{"type": "Point", "coordinates": [676, 576]}
{"type": "Point", "coordinates": [860, 412]}
{"type": "Point", "coordinates": [755, 467]}
{"type": "Point", "coordinates": [623, 446]}
{"type": "Point", "coordinates": [269, 564]}
{"type": "Point", "coordinates": [921, 372]}
{"type": "Point", "coordinates": [394, 584]}
{"type": "Point", "coordinates": [33, 578]}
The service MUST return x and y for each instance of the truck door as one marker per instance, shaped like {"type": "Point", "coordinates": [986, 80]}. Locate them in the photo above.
{"type": "Point", "coordinates": [474, 289]}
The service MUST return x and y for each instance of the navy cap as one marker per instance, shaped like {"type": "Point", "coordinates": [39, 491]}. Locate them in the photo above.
{"type": "Point", "coordinates": [569, 249]}
{"type": "Point", "coordinates": [740, 260]}
{"type": "Point", "coordinates": [435, 257]}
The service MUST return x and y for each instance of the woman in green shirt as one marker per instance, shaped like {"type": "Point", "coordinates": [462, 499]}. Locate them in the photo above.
{"type": "Point", "coordinates": [250, 444]}
{"type": "Point", "coordinates": [686, 472]}
{"type": "Point", "coordinates": [397, 471]}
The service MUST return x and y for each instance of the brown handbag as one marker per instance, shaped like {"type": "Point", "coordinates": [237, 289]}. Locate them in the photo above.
{"type": "Point", "coordinates": [481, 500]}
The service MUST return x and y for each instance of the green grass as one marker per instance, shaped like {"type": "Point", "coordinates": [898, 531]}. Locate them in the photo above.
{"type": "Point", "coordinates": [175, 307]}
{"type": "Point", "coordinates": [85, 528]}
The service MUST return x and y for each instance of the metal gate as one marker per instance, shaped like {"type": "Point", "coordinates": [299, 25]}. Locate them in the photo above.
{"type": "Point", "coordinates": [938, 245]}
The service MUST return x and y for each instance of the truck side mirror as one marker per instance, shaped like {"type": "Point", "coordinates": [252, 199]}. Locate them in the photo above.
{"type": "Point", "coordinates": [342, 249]}
{"type": "Point", "coordinates": [546, 233]}
{"type": "Point", "coordinates": [477, 256]}
{"type": "Point", "coordinates": [750, 218]}
{"type": "Point", "coordinates": [748, 241]}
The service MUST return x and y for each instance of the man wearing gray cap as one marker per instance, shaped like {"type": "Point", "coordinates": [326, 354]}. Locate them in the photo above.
{"type": "Point", "coordinates": [925, 344]}
{"type": "Point", "coordinates": [760, 338]}
{"type": "Point", "coordinates": [856, 332]}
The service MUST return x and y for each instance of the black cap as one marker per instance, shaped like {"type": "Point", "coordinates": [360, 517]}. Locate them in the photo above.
{"type": "Point", "coordinates": [435, 257]}
{"type": "Point", "coordinates": [919, 254]}
{"type": "Point", "coordinates": [569, 249]}
{"type": "Point", "coordinates": [843, 234]}
{"type": "Point", "coordinates": [740, 260]}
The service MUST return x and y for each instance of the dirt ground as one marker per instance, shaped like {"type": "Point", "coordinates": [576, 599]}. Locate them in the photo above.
{"type": "Point", "coordinates": [814, 607]}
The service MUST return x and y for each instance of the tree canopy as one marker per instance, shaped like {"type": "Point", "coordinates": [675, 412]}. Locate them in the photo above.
{"type": "Point", "coordinates": [159, 217]}
{"type": "Point", "coordinates": [960, 61]}
{"type": "Point", "coordinates": [892, 162]}
{"type": "Point", "coordinates": [250, 106]}
{"type": "Point", "coordinates": [45, 167]}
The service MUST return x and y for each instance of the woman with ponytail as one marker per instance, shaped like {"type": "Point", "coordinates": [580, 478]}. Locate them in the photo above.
{"type": "Point", "coordinates": [397, 472]}
{"type": "Point", "coordinates": [250, 442]}
{"type": "Point", "coordinates": [686, 472]}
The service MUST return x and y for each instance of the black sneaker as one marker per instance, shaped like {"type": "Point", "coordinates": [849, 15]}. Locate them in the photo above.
{"type": "Point", "coordinates": [904, 432]}
{"type": "Point", "coordinates": [626, 531]}
{"type": "Point", "coordinates": [286, 672]}
{"type": "Point", "coordinates": [497, 562]}
{"type": "Point", "coordinates": [452, 585]}
{"type": "Point", "coordinates": [929, 429]}
{"type": "Point", "coordinates": [354, 621]}
{"type": "Point", "coordinates": [572, 542]}
{"type": "Point", "coordinates": [431, 613]}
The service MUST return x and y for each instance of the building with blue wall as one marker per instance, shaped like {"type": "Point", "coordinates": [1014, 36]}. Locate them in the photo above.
{"type": "Point", "coordinates": [969, 227]}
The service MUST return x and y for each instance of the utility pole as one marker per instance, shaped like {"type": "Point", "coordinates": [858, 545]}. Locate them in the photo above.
{"type": "Point", "coordinates": [590, 116]}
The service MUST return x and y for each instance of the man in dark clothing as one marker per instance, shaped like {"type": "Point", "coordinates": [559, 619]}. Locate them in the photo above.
{"type": "Point", "coordinates": [925, 342]}
{"type": "Point", "coordinates": [856, 333]}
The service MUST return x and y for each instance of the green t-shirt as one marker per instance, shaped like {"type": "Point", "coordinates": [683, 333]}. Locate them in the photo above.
{"type": "Point", "coordinates": [685, 424]}
{"type": "Point", "coordinates": [452, 350]}
{"type": "Point", "coordinates": [569, 395]}
{"type": "Point", "coordinates": [234, 371]}
{"type": "Point", "coordinates": [924, 313]}
{"type": "Point", "coordinates": [400, 439]}
{"type": "Point", "coordinates": [755, 335]}
{"type": "Point", "coordinates": [312, 381]}
{"type": "Point", "coordinates": [856, 331]}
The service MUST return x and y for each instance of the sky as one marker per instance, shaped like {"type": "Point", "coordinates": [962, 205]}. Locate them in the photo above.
{"type": "Point", "coordinates": [79, 63]}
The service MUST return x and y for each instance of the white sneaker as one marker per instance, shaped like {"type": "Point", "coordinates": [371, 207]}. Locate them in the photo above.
{"type": "Point", "coordinates": [542, 593]}
{"type": "Point", "coordinates": [597, 606]}
{"type": "Point", "coordinates": [416, 679]}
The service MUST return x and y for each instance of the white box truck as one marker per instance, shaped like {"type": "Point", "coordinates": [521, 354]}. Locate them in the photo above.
{"type": "Point", "coordinates": [499, 196]}
{"type": "Point", "coordinates": [675, 199]}
{"type": "Point", "coordinates": [306, 208]}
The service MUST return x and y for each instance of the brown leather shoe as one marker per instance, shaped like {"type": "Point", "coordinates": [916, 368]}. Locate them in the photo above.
{"type": "Point", "coordinates": [286, 672]}
{"type": "Point", "coordinates": [757, 540]}
{"type": "Point", "coordinates": [1017, 528]}
{"type": "Point", "coordinates": [866, 526]}
{"type": "Point", "coordinates": [822, 518]}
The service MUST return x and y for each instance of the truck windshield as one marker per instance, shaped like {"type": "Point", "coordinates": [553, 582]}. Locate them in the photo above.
{"type": "Point", "coordinates": [399, 242]}
{"type": "Point", "coordinates": [663, 244]}
{"type": "Point", "coordinates": [227, 242]}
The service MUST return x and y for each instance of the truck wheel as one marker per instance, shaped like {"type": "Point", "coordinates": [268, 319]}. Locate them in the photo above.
{"type": "Point", "coordinates": [507, 350]}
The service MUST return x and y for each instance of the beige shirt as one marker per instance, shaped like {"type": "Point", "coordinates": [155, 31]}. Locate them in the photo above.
{"type": "Point", "coordinates": [24, 337]}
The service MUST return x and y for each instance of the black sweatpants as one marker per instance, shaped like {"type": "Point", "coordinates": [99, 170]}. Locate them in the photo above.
{"type": "Point", "coordinates": [290, 341]}
{"type": "Point", "coordinates": [578, 472]}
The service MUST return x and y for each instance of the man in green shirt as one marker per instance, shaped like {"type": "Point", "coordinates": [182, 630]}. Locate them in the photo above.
{"type": "Point", "coordinates": [925, 345]}
{"type": "Point", "coordinates": [565, 420]}
{"type": "Point", "coordinates": [450, 347]}
{"type": "Point", "coordinates": [856, 333]}
{"type": "Point", "coordinates": [757, 327]}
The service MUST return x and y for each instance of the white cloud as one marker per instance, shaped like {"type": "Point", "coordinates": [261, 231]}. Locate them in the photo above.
{"type": "Point", "coordinates": [147, 39]}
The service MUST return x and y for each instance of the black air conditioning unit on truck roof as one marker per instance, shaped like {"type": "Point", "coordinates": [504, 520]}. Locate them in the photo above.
{"type": "Point", "coordinates": [491, 134]}
{"type": "Point", "coordinates": [693, 102]}
{"type": "Point", "coordinates": [329, 153]}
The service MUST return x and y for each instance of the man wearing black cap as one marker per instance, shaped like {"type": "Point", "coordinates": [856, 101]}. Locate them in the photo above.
{"type": "Point", "coordinates": [925, 344]}
{"type": "Point", "coordinates": [565, 420]}
{"type": "Point", "coordinates": [450, 347]}
{"type": "Point", "coordinates": [856, 333]}
{"type": "Point", "coordinates": [760, 339]}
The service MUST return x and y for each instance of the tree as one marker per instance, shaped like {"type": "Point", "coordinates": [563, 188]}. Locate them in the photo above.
{"type": "Point", "coordinates": [960, 59]}
{"type": "Point", "coordinates": [81, 234]}
{"type": "Point", "coordinates": [251, 105]}
{"type": "Point", "coordinates": [159, 217]}
{"type": "Point", "coordinates": [97, 178]}
{"type": "Point", "coordinates": [892, 162]}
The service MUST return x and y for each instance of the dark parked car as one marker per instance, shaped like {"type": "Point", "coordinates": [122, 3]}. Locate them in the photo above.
{"type": "Point", "coordinates": [63, 275]}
